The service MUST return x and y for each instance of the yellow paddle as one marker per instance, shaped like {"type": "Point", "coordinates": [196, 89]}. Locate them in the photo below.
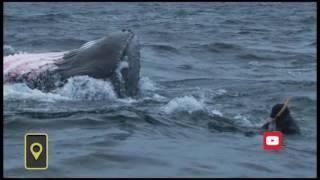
{"type": "Point", "coordinates": [282, 109]}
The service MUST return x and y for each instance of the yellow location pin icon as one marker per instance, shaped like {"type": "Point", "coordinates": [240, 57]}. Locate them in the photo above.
{"type": "Point", "coordinates": [34, 153]}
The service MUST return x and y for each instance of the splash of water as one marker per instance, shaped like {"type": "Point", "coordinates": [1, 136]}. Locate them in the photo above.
{"type": "Point", "coordinates": [8, 50]}
{"type": "Point", "coordinates": [183, 104]}
{"type": "Point", "coordinates": [87, 88]}
{"type": "Point", "coordinates": [146, 84]}
{"type": "Point", "coordinates": [77, 88]}
{"type": "Point", "coordinates": [21, 91]}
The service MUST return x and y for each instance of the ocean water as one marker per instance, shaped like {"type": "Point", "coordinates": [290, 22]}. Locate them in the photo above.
{"type": "Point", "coordinates": [199, 61]}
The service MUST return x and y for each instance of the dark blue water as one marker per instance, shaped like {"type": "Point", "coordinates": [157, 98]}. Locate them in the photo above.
{"type": "Point", "coordinates": [199, 61]}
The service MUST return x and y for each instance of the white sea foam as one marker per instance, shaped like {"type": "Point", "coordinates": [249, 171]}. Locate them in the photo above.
{"type": "Point", "coordinates": [243, 121]}
{"type": "Point", "coordinates": [22, 92]}
{"type": "Point", "coordinates": [147, 84]}
{"type": "Point", "coordinates": [220, 92]}
{"type": "Point", "coordinates": [77, 88]}
{"type": "Point", "coordinates": [8, 50]}
{"type": "Point", "coordinates": [183, 104]}
{"type": "Point", "coordinates": [158, 97]}
{"type": "Point", "coordinates": [254, 63]}
{"type": "Point", "coordinates": [87, 88]}
{"type": "Point", "coordinates": [216, 112]}
{"type": "Point", "coordinates": [155, 97]}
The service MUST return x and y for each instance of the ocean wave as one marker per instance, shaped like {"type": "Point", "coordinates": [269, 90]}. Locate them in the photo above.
{"type": "Point", "coordinates": [20, 91]}
{"type": "Point", "coordinates": [260, 64]}
{"type": "Point", "coordinates": [77, 88]}
{"type": "Point", "coordinates": [81, 88]}
{"type": "Point", "coordinates": [53, 15]}
{"type": "Point", "coordinates": [235, 21]}
{"type": "Point", "coordinates": [216, 112]}
{"type": "Point", "coordinates": [154, 97]}
{"type": "Point", "coordinates": [309, 20]}
{"type": "Point", "coordinates": [87, 88]}
{"type": "Point", "coordinates": [187, 104]}
{"type": "Point", "coordinates": [254, 63]}
{"type": "Point", "coordinates": [6, 16]}
{"type": "Point", "coordinates": [221, 47]}
{"type": "Point", "coordinates": [229, 46]}
{"type": "Point", "coordinates": [306, 101]}
{"type": "Point", "coordinates": [313, 43]}
{"type": "Point", "coordinates": [38, 18]}
{"type": "Point", "coordinates": [243, 121]}
{"type": "Point", "coordinates": [53, 120]}
{"type": "Point", "coordinates": [146, 84]}
{"type": "Point", "coordinates": [301, 59]}
{"type": "Point", "coordinates": [184, 66]}
{"type": "Point", "coordinates": [163, 47]}
{"type": "Point", "coordinates": [8, 50]}
{"type": "Point", "coordinates": [251, 56]}
{"type": "Point", "coordinates": [61, 44]}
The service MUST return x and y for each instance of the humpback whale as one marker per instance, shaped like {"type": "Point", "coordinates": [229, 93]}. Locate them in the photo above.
{"type": "Point", "coordinates": [114, 57]}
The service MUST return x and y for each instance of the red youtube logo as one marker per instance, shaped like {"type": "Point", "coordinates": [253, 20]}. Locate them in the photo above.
{"type": "Point", "coordinates": [272, 140]}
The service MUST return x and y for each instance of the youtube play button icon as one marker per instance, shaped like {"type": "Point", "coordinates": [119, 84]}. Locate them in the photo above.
{"type": "Point", "coordinates": [272, 140]}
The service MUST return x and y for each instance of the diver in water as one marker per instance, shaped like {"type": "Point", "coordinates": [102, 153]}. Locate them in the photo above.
{"type": "Point", "coordinates": [281, 120]}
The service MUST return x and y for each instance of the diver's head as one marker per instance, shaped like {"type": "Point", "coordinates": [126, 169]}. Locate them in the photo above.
{"type": "Point", "coordinates": [279, 113]}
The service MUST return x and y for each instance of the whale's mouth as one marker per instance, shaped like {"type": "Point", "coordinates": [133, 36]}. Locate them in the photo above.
{"type": "Point", "coordinates": [125, 54]}
{"type": "Point", "coordinates": [127, 70]}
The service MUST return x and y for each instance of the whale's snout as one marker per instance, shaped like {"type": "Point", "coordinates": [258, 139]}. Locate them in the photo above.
{"type": "Point", "coordinates": [128, 70]}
